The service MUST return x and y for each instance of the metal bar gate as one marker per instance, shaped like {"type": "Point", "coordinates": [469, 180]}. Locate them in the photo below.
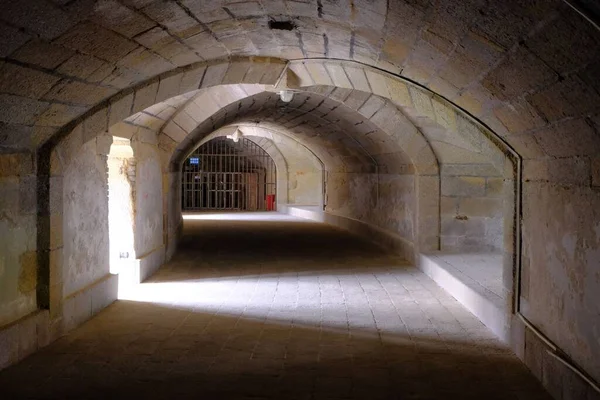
{"type": "Point", "coordinates": [226, 175]}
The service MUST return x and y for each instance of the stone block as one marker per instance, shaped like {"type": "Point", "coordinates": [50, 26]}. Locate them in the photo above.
{"type": "Point", "coordinates": [55, 228]}
{"type": "Point", "coordinates": [520, 72]}
{"type": "Point", "coordinates": [371, 106]}
{"type": "Point", "coordinates": [82, 66]}
{"type": "Point", "coordinates": [518, 116]}
{"type": "Point", "coordinates": [45, 19]}
{"type": "Point", "coordinates": [228, 95]}
{"type": "Point", "coordinates": [444, 114]}
{"type": "Point", "coordinates": [463, 186]}
{"type": "Point", "coordinates": [443, 88]}
{"type": "Point", "coordinates": [120, 109]}
{"type": "Point", "coordinates": [318, 73]}
{"type": "Point", "coordinates": [20, 110]}
{"type": "Point", "coordinates": [27, 195]}
{"type": "Point", "coordinates": [426, 162]}
{"type": "Point", "coordinates": [338, 75]}
{"type": "Point", "coordinates": [174, 18]}
{"type": "Point", "coordinates": [168, 87]}
{"type": "Point", "coordinates": [473, 56]}
{"type": "Point", "coordinates": [27, 336]}
{"type": "Point", "coordinates": [95, 40]}
{"type": "Point", "coordinates": [145, 97]}
{"type": "Point", "coordinates": [56, 302]}
{"type": "Point", "coordinates": [568, 98]}
{"type": "Point", "coordinates": [358, 79]}
{"type": "Point", "coordinates": [74, 92]}
{"type": "Point", "coordinates": [60, 114]}
{"type": "Point", "coordinates": [148, 121]}
{"type": "Point", "coordinates": [146, 62]}
{"type": "Point", "coordinates": [271, 73]}
{"type": "Point", "coordinates": [378, 83]}
{"type": "Point", "coordinates": [566, 43]}
{"type": "Point", "coordinates": [398, 92]}
{"type": "Point", "coordinates": [11, 39]}
{"type": "Point", "coordinates": [191, 79]}
{"type": "Point", "coordinates": [9, 348]}
{"type": "Point", "coordinates": [526, 145]}
{"type": "Point", "coordinates": [103, 143]}
{"type": "Point", "coordinates": [495, 187]}
{"type": "Point", "coordinates": [185, 121]}
{"type": "Point", "coordinates": [301, 76]}
{"type": "Point", "coordinates": [596, 171]}
{"type": "Point", "coordinates": [422, 103]}
{"type": "Point", "coordinates": [145, 135]}
{"type": "Point", "coordinates": [43, 54]}
{"type": "Point", "coordinates": [505, 23]}
{"type": "Point", "coordinates": [95, 124]}
{"type": "Point", "coordinates": [175, 132]}
{"type": "Point", "coordinates": [10, 165]}
{"type": "Point", "coordinates": [9, 195]}
{"type": "Point", "coordinates": [485, 170]}
{"type": "Point", "coordinates": [461, 226]}
{"type": "Point", "coordinates": [202, 107]}
{"type": "Point", "coordinates": [214, 74]}
{"type": "Point", "coordinates": [123, 130]}
{"type": "Point", "coordinates": [163, 110]}
{"type": "Point", "coordinates": [448, 205]}
{"type": "Point", "coordinates": [56, 267]}
{"type": "Point", "coordinates": [569, 138]}
{"type": "Point", "coordinates": [236, 72]}
{"type": "Point", "coordinates": [117, 17]}
{"type": "Point", "coordinates": [43, 329]}
{"type": "Point", "coordinates": [566, 171]}
{"type": "Point", "coordinates": [469, 102]}
{"type": "Point", "coordinates": [480, 207]}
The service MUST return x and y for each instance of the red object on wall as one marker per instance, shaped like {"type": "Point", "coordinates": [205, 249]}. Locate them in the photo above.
{"type": "Point", "coordinates": [270, 202]}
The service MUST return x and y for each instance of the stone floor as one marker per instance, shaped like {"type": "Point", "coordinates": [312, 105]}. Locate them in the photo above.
{"type": "Point", "coordinates": [263, 306]}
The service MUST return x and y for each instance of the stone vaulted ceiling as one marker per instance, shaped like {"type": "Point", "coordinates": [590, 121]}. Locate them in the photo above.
{"type": "Point", "coordinates": [514, 64]}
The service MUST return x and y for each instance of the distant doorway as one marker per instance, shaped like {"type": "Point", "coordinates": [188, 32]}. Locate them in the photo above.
{"type": "Point", "coordinates": [223, 174]}
{"type": "Point", "coordinates": [121, 180]}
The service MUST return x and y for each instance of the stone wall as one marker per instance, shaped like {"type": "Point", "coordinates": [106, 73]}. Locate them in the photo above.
{"type": "Point", "coordinates": [471, 208]}
{"type": "Point", "coordinates": [386, 201]}
{"type": "Point", "coordinates": [85, 219]}
{"type": "Point", "coordinates": [18, 242]}
{"type": "Point", "coordinates": [149, 199]}
{"type": "Point", "coordinates": [561, 253]}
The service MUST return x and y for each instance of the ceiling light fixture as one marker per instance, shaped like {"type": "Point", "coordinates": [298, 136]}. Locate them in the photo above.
{"type": "Point", "coordinates": [286, 95]}
{"type": "Point", "coordinates": [236, 136]}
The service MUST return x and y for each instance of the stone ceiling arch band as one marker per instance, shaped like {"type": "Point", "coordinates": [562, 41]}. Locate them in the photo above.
{"type": "Point", "coordinates": [468, 150]}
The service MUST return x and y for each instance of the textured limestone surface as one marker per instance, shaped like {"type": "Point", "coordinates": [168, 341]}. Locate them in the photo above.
{"type": "Point", "coordinates": [18, 228]}
{"type": "Point", "coordinates": [149, 199]}
{"type": "Point", "coordinates": [85, 230]}
{"type": "Point", "coordinates": [243, 312]}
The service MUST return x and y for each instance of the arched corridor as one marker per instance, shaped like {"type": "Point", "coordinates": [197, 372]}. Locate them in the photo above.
{"type": "Point", "coordinates": [264, 305]}
{"type": "Point", "coordinates": [438, 159]}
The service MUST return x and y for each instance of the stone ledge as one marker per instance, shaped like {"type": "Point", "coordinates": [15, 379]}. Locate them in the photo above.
{"type": "Point", "coordinates": [23, 337]}
{"type": "Point", "coordinates": [489, 307]}
{"type": "Point", "coordinates": [374, 234]}
{"type": "Point", "coordinates": [150, 263]}
{"type": "Point", "coordinates": [84, 304]}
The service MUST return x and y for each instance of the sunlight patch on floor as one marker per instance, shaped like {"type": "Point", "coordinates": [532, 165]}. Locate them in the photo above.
{"type": "Point", "coordinates": [241, 216]}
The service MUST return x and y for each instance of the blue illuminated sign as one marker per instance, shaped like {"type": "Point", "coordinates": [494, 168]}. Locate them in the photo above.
{"type": "Point", "coordinates": [195, 160]}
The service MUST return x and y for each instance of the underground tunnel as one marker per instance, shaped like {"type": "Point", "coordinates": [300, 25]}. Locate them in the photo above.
{"type": "Point", "coordinates": [278, 199]}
